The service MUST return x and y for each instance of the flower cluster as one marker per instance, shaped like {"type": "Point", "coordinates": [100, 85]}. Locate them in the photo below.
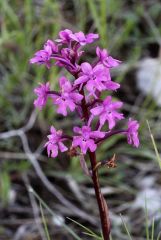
{"type": "Point", "coordinates": [82, 94]}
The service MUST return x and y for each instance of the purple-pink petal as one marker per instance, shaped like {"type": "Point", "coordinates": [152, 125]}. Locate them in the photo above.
{"type": "Point", "coordinates": [42, 95]}
{"type": "Point", "coordinates": [97, 110]}
{"type": "Point", "coordinates": [86, 138]}
{"type": "Point", "coordinates": [106, 59]}
{"type": "Point", "coordinates": [97, 134]}
{"type": "Point", "coordinates": [50, 47]}
{"type": "Point", "coordinates": [83, 39]}
{"type": "Point", "coordinates": [80, 80]}
{"type": "Point", "coordinates": [111, 62]}
{"type": "Point", "coordinates": [110, 85]}
{"type": "Point", "coordinates": [68, 98]}
{"type": "Point", "coordinates": [62, 109]}
{"type": "Point", "coordinates": [55, 143]}
{"type": "Point", "coordinates": [91, 37]}
{"type": "Point", "coordinates": [77, 130]}
{"type": "Point", "coordinates": [62, 147]}
{"type": "Point", "coordinates": [77, 97]}
{"type": "Point", "coordinates": [54, 151]}
{"type": "Point", "coordinates": [44, 56]}
{"type": "Point", "coordinates": [64, 36]}
{"type": "Point", "coordinates": [86, 68]}
{"type": "Point", "coordinates": [107, 111]}
{"type": "Point", "coordinates": [132, 133]}
{"type": "Point", "coordinates": [91, 145]}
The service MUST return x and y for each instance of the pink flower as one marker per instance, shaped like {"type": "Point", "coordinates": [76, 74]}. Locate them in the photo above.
{"type": "Point", "coordinates": [107, 111]}
{"type": "Point", "coordinates": [97, 78]}
{"type": "Point", "coordinates": [86, 139]}
{"type": "Point", "coordinates": [132, 133]}
{"type": "Point", "coordinates": [54, 143]}
{"type": "Point", "coordinates": [64, 36]}
{"type": "Point", "coordinates": [68, 97]}
{"type": "Point", "coordinates": [106, 59]}
{"type": "Point", "coordinates": [44, 56]}
{"type": "Point", "coordinates": [42, 93]}
{"type": "Point", "coordinates": [83, 39]}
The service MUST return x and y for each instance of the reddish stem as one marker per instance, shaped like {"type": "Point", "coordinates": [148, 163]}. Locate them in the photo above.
{"type": "Point", "coordinates": [111, 133]}
{"type": "Point", "coordinates": [54, 93]}
{"type": "Point", "coordinates": [103, 209]}
{"type": "Point", "coordinates": [67, 137]}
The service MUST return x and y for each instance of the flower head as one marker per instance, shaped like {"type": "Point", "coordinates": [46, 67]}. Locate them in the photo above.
{"type": "Point", "coordinates": [132, 133]}
{"type": "Point", "coordinates": [82, 94]}
{"type": "Point", "coordinates": [86, 138]}
{"type": "Point", "coordinates": [68, 97]}
{"type": "Point", "coordinates": [54, 143]}
{"type": "Point", "coordinates": [44, 56]}
{"type": "Point", "coordinates": [107, 111]}
{"type": "Point", "coordinates": [42, 95]}
{"type": "Point", "coordinates": [106, 59]}
{"type": "Point", "coordinates": [83, 39]}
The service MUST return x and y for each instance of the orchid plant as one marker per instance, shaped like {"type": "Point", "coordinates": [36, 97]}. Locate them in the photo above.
{"type": "Point", "coordinates": [83, 94]}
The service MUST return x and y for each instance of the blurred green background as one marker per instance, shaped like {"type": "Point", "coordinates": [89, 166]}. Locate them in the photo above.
{"type": "Point", "coordinates": [131, 31]}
